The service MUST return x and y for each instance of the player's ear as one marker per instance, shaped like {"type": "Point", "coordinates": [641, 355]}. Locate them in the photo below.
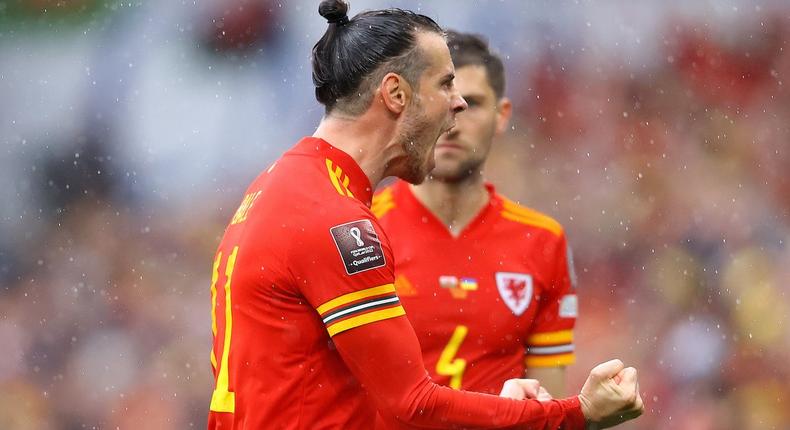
{"type": "Point", "coordinates": [395, 92]}
{"type": "Point", "coordinates": [504, 110]}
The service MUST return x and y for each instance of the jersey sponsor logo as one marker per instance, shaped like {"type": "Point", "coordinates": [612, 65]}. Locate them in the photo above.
{"type": "Point", "coordinates": [358, 245]}
{"type": "Point", "coordinates": [569, 306]}
{"type": "Point", "coordinates": [515, 290]}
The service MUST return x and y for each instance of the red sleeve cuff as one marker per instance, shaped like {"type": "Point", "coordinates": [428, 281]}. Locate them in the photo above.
{"type": "Point", "coordinates": [574, 418]}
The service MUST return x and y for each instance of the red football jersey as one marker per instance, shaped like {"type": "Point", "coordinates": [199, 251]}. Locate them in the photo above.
{"type": "Point", "coordinates": [291, 290]}
{"type": "Point", "coordinates": [308, 330]}
{"type": "Point", "coordinates": [489, 303]}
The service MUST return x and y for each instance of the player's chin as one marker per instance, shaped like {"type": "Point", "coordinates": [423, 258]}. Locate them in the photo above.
{"type": "Point", "coordinates": [449, 172]}
{"type": "Point", "coordinates": [449, 157]}
{"type": "Point", "coordinates": [446, 165]}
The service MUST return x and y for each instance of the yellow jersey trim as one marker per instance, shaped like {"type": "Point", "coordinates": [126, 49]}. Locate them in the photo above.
{"type": "Point", "coordinates": [381, 196]}
{"type": "Point", "coordinates": [356, 295]}
{"type": "Point", "coordinates": [244, 208]}
{"type": "Point", "coordinates": [382, 209]}
{"type": "Point", "coordinates": [515, 212]}
{"type": "Point", "coordinates": [214, 278]}
{"type": "Point", "coordinates": [339, 180]}
{"type": "Point", "coordinates": [550, 360]}
{"type": "Point", "coordinates": [551, 338]}
{"type": "Point", "coordinates": [382, 203]}
{"type": "Point", "coordinates": [365, 319]}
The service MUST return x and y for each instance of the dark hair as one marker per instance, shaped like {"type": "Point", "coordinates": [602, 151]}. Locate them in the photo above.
{"type": "Point", "coordinates": [354, 55]}
{"type": "Point", "coordinates": [472, 50]}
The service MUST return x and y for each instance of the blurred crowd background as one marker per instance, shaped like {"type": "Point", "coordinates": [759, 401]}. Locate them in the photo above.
{"type": "Point", "coordinates": [657, 132]}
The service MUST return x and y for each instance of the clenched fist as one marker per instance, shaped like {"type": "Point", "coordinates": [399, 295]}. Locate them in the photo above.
{"type": "Point", "coordinates": [521, 389]}
{"type": "Point", "coordinates": [610, 395]}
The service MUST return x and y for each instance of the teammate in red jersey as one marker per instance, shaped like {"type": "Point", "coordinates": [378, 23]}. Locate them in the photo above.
{"type": "Point", "coordinates": [487, 284]}
{"type": "Point", "coordinates": [308, 330]}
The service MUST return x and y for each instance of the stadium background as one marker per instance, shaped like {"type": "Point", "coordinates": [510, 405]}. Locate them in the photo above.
{"type": "Point", "coordinates": [657, 132]}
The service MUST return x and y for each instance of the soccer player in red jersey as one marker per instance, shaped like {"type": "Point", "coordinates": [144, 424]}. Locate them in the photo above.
{"type": "Point", "coordinates": [487, 283]}
{"type": "Point", "coordinates": [308, 330]}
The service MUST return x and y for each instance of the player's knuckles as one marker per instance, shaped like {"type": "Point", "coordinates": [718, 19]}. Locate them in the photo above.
{"type": "Point", "coordinates": [628, 382]}
{"type": "Point", "coordinates": [614, 366]}
{"type": "Point", "coordinates": [513, 389]}
{"type": "Point", "coordinates": [532, 384]}
{"type": "Point", "coordinates": [597, 373]}
{"type": "Point", "coordinates": [629, 374]}
{"type": "Point", "coordinates": [613, 390]}
{"type": "Point", "coordinates": [607, 369]}
{"type": "Point", "coordinates": [525, 384]}
{"type": "Point", "coordinates": [622, 393]}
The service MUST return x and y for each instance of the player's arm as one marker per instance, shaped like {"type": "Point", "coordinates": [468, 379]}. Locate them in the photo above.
{"type": "Point", "coordinates": [551, 378]}
{"type": "Point", "coordinates": [385, 356]}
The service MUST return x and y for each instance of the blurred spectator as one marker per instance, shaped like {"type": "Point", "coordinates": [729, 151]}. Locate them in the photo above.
{"type": "Point", "coordinates": [242, 25]}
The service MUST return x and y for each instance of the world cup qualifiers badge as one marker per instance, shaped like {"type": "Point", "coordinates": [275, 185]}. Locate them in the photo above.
{"type": "Point", "coordinates": [358, 245]}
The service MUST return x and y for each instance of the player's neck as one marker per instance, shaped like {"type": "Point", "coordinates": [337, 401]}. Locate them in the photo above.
{"type": "Point", "coordinates": [455, 204]}
{"type": "Point", "coordinates": [364, 138]}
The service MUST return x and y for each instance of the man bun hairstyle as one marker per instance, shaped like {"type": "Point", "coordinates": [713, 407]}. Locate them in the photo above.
{"type": "Point", "coordinates": [354, 54]}
{"type": "Point", "coordinates": [469, 49]}
{"type": "Point", "coordinates": [335, 12]}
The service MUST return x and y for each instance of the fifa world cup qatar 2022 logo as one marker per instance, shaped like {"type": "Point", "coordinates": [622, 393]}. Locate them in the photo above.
{"type": "Point", "coordinates": [358, 245]}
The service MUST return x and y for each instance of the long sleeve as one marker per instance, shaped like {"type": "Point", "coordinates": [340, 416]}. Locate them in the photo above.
{"type": "Point", "coordinates": [385, 356]}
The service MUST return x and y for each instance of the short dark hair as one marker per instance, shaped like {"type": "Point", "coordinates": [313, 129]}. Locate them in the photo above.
{"type": "Point", "coordinates": [469, 49]}
{"type": "Point", "coordinates": [354, 55]}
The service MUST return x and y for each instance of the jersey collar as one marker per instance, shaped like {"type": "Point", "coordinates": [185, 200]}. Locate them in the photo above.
{"type": "Point", "coordinates": [477, 226]}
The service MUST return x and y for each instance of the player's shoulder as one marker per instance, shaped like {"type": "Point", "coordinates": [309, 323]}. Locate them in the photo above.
{"type": "Point", "coordinates": [335, 210]}
{"type": "Point", "coordinates": [331, 202]}
{"type": "Point", "coordinates": [307, 194]}
{"type": "Point", "coordinates": [316, 182]}
{"type": "Point", "coordinates": [526, 217]}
